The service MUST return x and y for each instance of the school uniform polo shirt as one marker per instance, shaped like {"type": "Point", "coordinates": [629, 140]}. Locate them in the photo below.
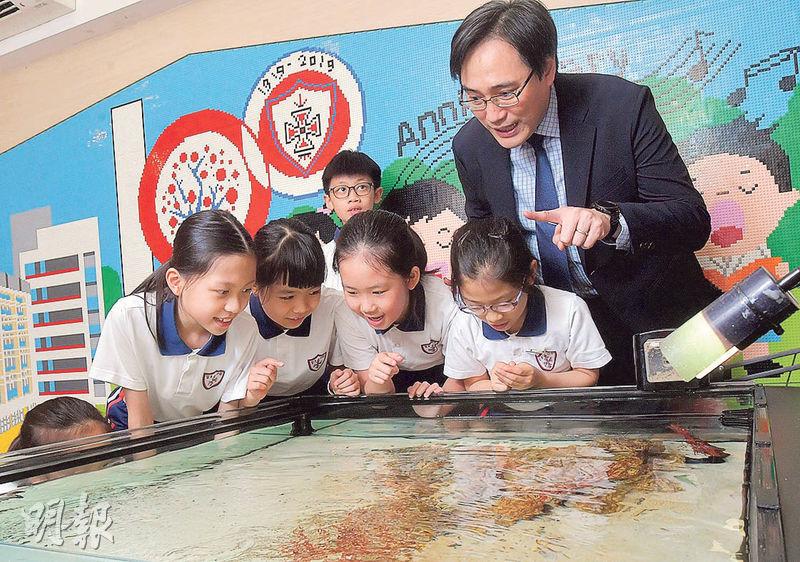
{"type": "Point", "coordinates": [305, 350]}
{"type": "Point", "coordinates": [332, 279]}
{"type": "Point", "coordinates": [421, 338]}
{"type": "Point", "coordinates": [180, 382]}
{"type": "Point", "coordinates": [558, 334]}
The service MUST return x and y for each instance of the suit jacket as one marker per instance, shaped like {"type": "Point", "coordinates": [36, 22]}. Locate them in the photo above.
{"type": "Point", "coordinates": [615, 148]}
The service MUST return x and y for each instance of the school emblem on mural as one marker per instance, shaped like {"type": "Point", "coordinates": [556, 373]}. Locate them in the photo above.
{"type": "Point", "coordinates": [546, 359]}
{"type": "Point", "coordinates": [303, 110]}
{"type": "Point", "coordinates": [431, 347]}
{"type": "Point", "coordinates": [316, 363]}
{"type": "Point", "coordinates": [212, 379]}
{"type": "Point", "coordinates": [203, 160]}
{"type": "Point", "coordinates": [307, 118]}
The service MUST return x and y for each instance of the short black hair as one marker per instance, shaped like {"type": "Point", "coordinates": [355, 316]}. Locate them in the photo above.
{"type": "Point", "coordinates": [425, 198]}
{"type": "Point", "coordinates": [320, 223]}
{"type": "Point", "coordinates": [288, 252]}
{"type": "Point", "coordinates": [740, 137]}
{"type": "Point", "coordinates": [525, 24]}
{"type": "Point", "coordinates": [59, 419]}
{"type": "Point", "coordinates": [351, 163]}
{"type": "Point", "coordinates": [493, 247]}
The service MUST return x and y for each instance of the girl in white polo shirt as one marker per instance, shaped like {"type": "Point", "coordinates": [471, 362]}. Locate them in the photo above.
{"type": "Point", "coordinates": [513, 334]}
{"type": "Point", "coordinates": [395, 337]}
{"type": "Point", "coordinates": [296, 316]}
{"type": "Point", "coordinates": [177, 346]}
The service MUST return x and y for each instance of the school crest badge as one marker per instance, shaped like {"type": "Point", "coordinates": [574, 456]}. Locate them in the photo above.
{"type": "Point", "coordinates": [546, 359]}
{"type": "Point", "coordinates": [212, 379]}
{"type": "Point", "coordinates": [303, 110]}
{"type": "Point", "coordinates": [316, 363]}
{"type": "Point", "coordinates": [431, 347]}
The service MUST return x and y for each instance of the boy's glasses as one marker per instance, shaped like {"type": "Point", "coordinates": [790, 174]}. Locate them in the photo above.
{"type": "Point", "coordinates": [343, 191]}
{"type": "Point", "coordinates": [506, 99]}
{"type": "Point", "coordinates": [481, 309]}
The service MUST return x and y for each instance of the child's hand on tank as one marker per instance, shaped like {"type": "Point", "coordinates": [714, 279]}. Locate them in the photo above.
{"type": "Point", "coordinates": [260, 379]}
{"type": "Point", "coordinates": [384, 366]}
{"type": "Point", "coordinates": [344, 382]}
{"type": "Point", "coordinates": [422, 389]}
{"type": "Point", "coordinates": [497, 384]}
{"type": "Point", "coordinates": [518, 376]}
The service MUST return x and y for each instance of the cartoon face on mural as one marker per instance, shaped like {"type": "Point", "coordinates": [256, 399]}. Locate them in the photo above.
{"type": "Point", "coordinates": [744, 200]}
{"type": "Point", "coordinates": [435, 210]}
{"type": "Point", "coordinates": [745, 182]}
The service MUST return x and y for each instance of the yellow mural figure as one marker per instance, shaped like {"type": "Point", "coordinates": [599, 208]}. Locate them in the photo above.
{"type": "Point", "coordinates": [434, 210]}
{"type": "Point", "coordinates": [745, 181]}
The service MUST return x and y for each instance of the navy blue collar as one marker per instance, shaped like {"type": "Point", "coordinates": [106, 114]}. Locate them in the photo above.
{"type": "Point", "coordinates": [269, 328]}
{"type": "Point", "coordinates": [415, 319]}
{"type": "Point", "coordinates": [535, 323]}
{"type": "Point", "coordinates": [170, 342]}
{"type": "Point", "coordinates": [336, 232]}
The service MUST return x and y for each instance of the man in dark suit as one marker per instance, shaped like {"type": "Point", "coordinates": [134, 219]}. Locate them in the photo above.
{"type": "Point", "coordinates": [585, 164]}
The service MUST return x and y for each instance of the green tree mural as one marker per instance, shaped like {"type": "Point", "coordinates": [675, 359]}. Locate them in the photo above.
{"type": "Point", "coordinates": [112, 287]}
{"type": "Point", "coordinates": [684, 108]}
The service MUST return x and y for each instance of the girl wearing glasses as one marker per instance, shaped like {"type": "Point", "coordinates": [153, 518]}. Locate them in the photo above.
{"type": "Point", "coordinates": [515, 334]}
{"type": "Point", "coordinates": [395, 340]}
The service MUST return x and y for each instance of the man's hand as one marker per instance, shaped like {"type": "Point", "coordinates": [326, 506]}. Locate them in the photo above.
{"type": "Point", "coordinates": [518, 376]}
{"type": "Point", "coordinates": [384, 366]}
{"type": "Point", "coordinates": [344, 382]}
{"type": "Point", "coordinates": [575, 226]}
{"type": "Point", "coordinates": [260, 379]}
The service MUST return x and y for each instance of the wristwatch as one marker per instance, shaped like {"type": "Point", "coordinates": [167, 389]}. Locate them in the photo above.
{"type": "Point", "coordinates": [612, 210]}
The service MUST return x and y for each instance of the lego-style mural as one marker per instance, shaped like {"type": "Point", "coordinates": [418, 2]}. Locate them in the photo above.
{"type": "Point", "coordinates": [251, 129]}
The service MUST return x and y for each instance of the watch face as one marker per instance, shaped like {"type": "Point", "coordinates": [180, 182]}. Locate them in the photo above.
{"type": "Point", "coordinates": [606, 207]}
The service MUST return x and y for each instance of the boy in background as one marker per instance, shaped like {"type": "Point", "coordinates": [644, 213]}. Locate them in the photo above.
{"type": "Point", "coordinates": [352, 184]}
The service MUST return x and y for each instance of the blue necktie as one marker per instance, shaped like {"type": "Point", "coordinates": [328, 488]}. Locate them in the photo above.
{"type": "Point", "coordinates": [555, 270]}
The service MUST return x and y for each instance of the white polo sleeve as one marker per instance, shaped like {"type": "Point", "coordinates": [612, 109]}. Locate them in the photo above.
{"type": "Point", "coordinates": [352, 336]}
{"type": "Point", "coordinates": [332, 279]}
{"type": "Point", "coordinates": [116, 360]}
{"type": "Point", "coordinates": [335, 357]}
{"type": "Point", "coordinates": [586, 348]}
{"type": "Point", "coordinates": [244, 341]}
{"type": "Point", "coordinates": [449, 315]}
{"type": "Point", "coordinates": [460, 361]}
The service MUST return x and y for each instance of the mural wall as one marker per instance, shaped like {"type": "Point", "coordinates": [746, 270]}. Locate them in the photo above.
{"type": "Point", "coordinates": [90, 206]}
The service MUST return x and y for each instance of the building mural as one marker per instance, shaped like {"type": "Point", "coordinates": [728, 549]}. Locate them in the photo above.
{"type": "Point", "coordinates": [251, 129]}
{"type": "Point", "coordinates": [18, 393]}
{"type": "Point", "coordinates": [67, 307]}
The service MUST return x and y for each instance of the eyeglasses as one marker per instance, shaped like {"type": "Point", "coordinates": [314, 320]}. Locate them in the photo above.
{"type": "Point", "coordinates": [343, 191]}
{"type": "Point", "coordinates": [481, 309]}
{"type": "Point", "coordinates": [506, 99]}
